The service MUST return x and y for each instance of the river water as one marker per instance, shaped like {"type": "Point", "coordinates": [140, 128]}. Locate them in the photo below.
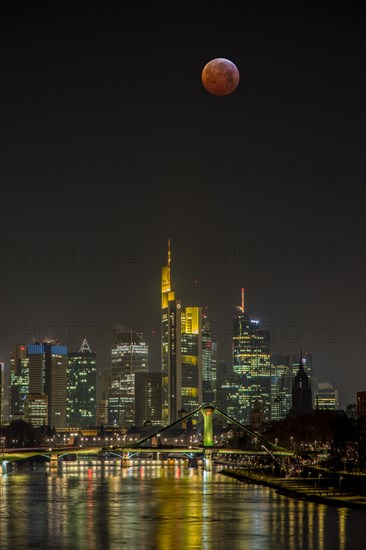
{"type": "Point", "coordinates": [150, 505]}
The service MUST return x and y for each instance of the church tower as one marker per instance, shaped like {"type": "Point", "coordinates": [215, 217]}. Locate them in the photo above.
{"type": "Point", "coordinates": [301, 393]}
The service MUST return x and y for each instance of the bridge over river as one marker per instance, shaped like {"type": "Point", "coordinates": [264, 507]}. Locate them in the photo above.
{"type": "Point", "coordinates": [144, 446]}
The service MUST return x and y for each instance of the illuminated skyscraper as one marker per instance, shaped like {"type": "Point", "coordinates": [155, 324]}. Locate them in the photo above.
{"type": "Point", "coordinates": [170, 347]}
{"type": "Point", "coordinates": [281, 386]}
{"type": "Point", "coordinates": [148, 398]}
{"type": "Point", "coordinates": [208, 363]}
{"type": "Point", "coordinates": [2, 392]}
{"type": "Point", "coordinates": [103, 387]}
{"type": "Point", "coordinates": [251, 362]}
{"type": "Point", "coordinates": [19, 381]}
{"type": "Point", "coordinates": [48, 375]}
{"type": "Point", "coordinates": [191, 357]}
{"type": "Point", "coordinates": [130, 355]}
{"type": "Point", "coordinates": [81, 387]}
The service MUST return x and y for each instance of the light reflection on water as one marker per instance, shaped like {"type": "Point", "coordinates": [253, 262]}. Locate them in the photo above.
{"type": "Point", "coordinates": [152, 506]}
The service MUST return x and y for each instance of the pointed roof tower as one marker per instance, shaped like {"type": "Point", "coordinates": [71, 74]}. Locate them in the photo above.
{"type": "Point", "coordinates": [85, 348]}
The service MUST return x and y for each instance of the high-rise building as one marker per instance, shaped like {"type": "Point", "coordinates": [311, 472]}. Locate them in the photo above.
{"type": "Point", "coordinates": [48, 375]}
{"type": "Point", "coordinates": [81, 387]}
{"type": "Point", "coordinates": [129, 357]}
{"type": "Point", "coordinates": [214, 359]}
{"type": "Point", "coordinates": [37, 368]}
{"type": "Point", "coordinates": [170, 347]}
{"type": "Point", "coordinates": [103, 387]}
{"type": "Point", "coordinates": [191, 358]}
{"type": "Point", "coordinates": [228, 394]}
{"type": "Point", "coordinates": [104, 380]}
{"type": "Point", "coordinates": [326, 397]}
{"type": "Point", "coordinates": [148, 397]}
{"type": "Point", "coordinates": [251, 362]}
{"type": "Point", "coordinates": [227, 389]}
{"type": "Point", "coordinates": [281, 386]}
{"type": "Point", "coordinates": [19, 381]}
{"type": "Point", "coordinates": [2, 392]}
{"type": "Point", "coordinates": [208, 363]}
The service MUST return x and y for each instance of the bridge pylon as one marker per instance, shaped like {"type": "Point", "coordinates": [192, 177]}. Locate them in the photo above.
{"type": "Point", "coordinates": [208, 412]}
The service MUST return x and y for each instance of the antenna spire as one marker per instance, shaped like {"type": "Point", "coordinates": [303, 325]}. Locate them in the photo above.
{"type": "Point", "coordinates": [242, 300]}
{"type": "Point", "coordinates": [169, 255]}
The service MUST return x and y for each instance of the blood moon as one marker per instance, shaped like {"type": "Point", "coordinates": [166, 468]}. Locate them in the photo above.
{"type": "Point", "coordinates": [220, 76]}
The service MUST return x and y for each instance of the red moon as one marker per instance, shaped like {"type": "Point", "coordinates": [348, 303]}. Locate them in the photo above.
{"type": "Point", "coordinates": [220, 76]}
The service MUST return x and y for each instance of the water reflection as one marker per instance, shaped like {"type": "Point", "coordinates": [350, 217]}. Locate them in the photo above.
{"type": "Point", "coordinates": [154, 505]}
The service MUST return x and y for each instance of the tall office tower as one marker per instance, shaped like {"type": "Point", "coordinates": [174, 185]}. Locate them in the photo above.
{"type": "Point", "coordinates": [104, 380]}
{"type": "Point", "coordinates": [148, 397]}
{"type": "Point", "coordinates": [301, 393]}
{"type": "Point", "coordinates": [2, 392]}
{"type": "Point", "coordinates": [222, 370]}
{"type": "Point", "coordinates": [251, 362]}
{"type": "Point", "coordinates": [214, 359]}
{"type": "Point", "coordinates": [19, 381]}
{"type": "Point", "coordinates": [208, 363]}
{"type": "Point", "coordinates": [37, 368]}
{"type": "Point", "coordinates": [191, 357]}
{"type": "Point", "coordinates": [48, 375]}
{"type": "Point", "coordinates": [281, 386]}
{"type": "Point", "coordinates": [130, 355]}
{"type": "Point", "coordinates": [81, 387]}
{"type": "Point", "coordinates": [227, 392]}
{"type": "Point", "coordinates": [326, 397]}
{"type": "Point", "coordinates": [170, 347]}
{"type": "Point", "coordinates": [228, 395]}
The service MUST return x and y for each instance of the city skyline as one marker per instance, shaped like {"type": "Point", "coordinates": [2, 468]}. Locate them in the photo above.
{"type": "Point", "coordinates": [222, 334]}
{"type": "Point", "coordinates": [256, 377]}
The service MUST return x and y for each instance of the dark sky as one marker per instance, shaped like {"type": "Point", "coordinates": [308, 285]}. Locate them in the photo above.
{"type": "Point", "coordinates": [110, 145]}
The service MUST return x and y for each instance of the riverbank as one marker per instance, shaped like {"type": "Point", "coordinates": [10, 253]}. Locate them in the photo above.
{"type": "Point", "coordinates": [312, 490]}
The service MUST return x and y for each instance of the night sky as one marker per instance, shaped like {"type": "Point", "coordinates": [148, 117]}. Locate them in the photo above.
{"type": "Point", "coordinates": [110, 145]}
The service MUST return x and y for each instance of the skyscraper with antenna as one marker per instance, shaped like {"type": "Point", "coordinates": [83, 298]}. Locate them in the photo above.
{"type": "Point", "coordinates": [251, 363]}
{"type": "Point", "coordinates": [171, 364]}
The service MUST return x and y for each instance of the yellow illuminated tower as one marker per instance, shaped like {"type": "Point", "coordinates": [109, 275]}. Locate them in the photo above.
{"type": "Point", "coordinates": [191, 357]}
{"type": "Point", "coordinates": [170, 347]}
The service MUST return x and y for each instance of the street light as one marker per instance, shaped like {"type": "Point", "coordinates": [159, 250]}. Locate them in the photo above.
{"type": "Point", "coordinates": [340, 483]}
